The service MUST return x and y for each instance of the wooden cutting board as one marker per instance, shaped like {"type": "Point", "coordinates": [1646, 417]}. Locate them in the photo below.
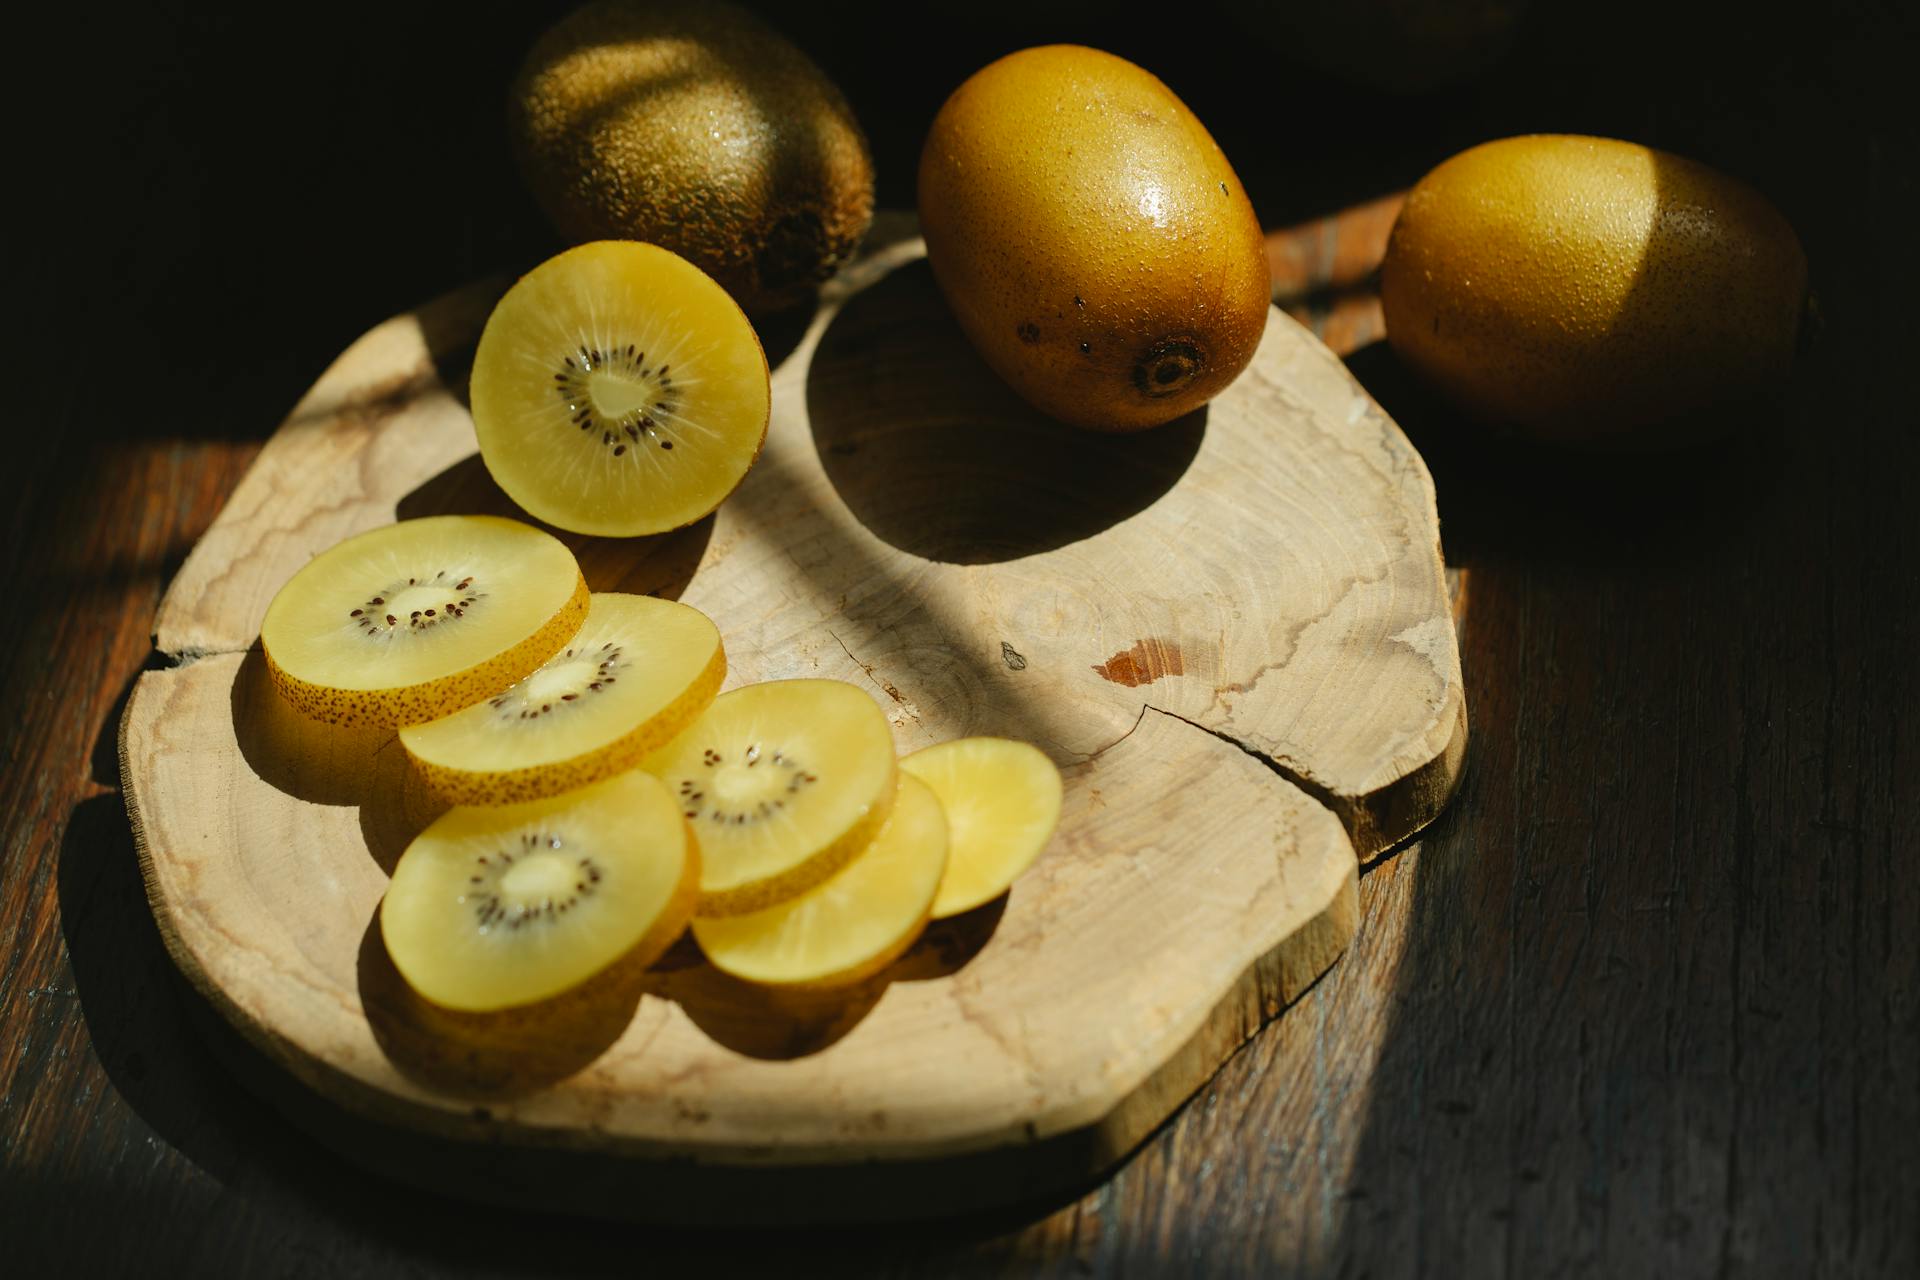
{"type": "Point", "coordinates": [1231, 633]}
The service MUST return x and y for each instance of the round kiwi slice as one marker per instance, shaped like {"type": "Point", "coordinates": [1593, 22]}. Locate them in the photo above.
{"type": "Point", "coordinates": [411, 621]}
{"type": "Point", "coordinates": [855, 923]}
{"type": "Point", "coordinates": [493, 908]}
{"type": "Point", "coordinates": [783, 783]}
{"type": "Point", "coordinates": [637, 673]}
{"type": "Point", "coordinates": [617, 390]}
{"type": "Point", "coordinates": [1002, 801]}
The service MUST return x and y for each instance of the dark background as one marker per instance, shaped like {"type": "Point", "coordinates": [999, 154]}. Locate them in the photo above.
{"type": "Point", "coordinates": [1646, 1001]}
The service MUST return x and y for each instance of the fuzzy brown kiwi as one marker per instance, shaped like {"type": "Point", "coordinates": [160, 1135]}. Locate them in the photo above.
{"type": "Point", "coordinates": [695, 126]}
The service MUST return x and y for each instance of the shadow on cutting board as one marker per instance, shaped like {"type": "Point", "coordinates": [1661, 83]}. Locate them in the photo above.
{"type": "Point", "coordinates": [660, 565]}
{"type": "Point", "coordinates": [519, 1051]}
{"type": "Point", "coordinates": [767, 1023]}
{"type": "Point", "coordinates": [936, 456]}
{"type": "Point", "coordinates": [482, 1055]}
{"type": "Point", "coordinates": [167, 1066]}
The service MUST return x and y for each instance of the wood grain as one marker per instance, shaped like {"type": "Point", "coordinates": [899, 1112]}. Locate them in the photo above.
{"type": "Point", "coordinates": [911, 527]}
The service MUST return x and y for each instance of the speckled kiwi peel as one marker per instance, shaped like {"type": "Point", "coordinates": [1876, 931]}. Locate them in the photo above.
{"type": "Point", "coordinates": [495, 908]}
{"type": "Point", "coordinates": [431, 699]}
{"type": "Point", "coordinates": [446, 1050]}
{"type": "Point", "coordinates": [1593, 293]}
{"type": "Point", "coordinates": [797, 880]}
{"type": "Point", "coordinates": [855, 923]}
{"type": "Point", "coordinates": [469, 786]}
{"type": "Point", "coordinates": [1091, 238]}
{"type": "Point", "coordinates": [785, 781]}
{"type": "Point", "coordinates": [694, 125]}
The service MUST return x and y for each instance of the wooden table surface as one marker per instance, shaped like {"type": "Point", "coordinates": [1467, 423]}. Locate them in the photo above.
{"type": "Point", "coordinates": [1645, 1002]}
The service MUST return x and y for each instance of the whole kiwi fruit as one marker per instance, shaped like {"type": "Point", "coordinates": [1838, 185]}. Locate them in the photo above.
{"type": "Point", "coordinates": [1592, 292]}
{"type": "Point", "coordinates": [1091, 238]}
{"type": "Point", "coordinates": [696, 127]}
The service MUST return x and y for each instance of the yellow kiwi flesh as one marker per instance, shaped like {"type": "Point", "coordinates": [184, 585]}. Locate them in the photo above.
{"type": "Point", "coordinates": [415, 620]}
{"type": "Point", "coordinates": [783, 783]}
{"type": "Point", "coordinates": [1592, 292]}
{"type": "Point", "coordinates": [1091, 238]}
{"type": "Point", "coordinates": [693, 125]}
{"type": "Point", "coordinates": [498, 907]}
{"type": "Point", "coordinates": [638, 672]}
{"type": "Point", "coordinates": [617, 390]}
{"type": "Point", "coordinates": [855, 923]}
{"type": "Point", "coordinates": [1002, 801]}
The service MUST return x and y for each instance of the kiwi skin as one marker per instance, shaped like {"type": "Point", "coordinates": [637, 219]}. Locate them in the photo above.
{"type": "Point", "coordinates": [1034, 184]}
{"type": "Point", "coordinates": [795, 881]}
{"type": "Point", "coordinates": [465, 786]}
{"type": "Point", "coordinates": [517, 1050]}
{"type": "Point", "coordinates": [419, 703]}
{"type": "Point", "coordinates": [694, 126]}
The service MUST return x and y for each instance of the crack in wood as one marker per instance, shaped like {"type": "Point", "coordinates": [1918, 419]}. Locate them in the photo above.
{"type": "Point", "coordinates": [162, 659]}
{"type": "Point", "coordinates": [1299, 777]}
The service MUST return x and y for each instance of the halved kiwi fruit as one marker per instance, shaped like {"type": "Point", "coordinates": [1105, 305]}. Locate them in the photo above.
{"type": "Point", "coordinates": [1002, 801]}
{"type": "Point", "coordinates": [638, 672]}
{"type": "Point", "coordinates": [783, 782]}
{"type": "Point", "coordinates": [412, 621]}
{"type": "Point", "coordinates": [617, 390]}
{"type": "Point", "coordinates": [856, 922]}
{"type": "Point", "coordinates": [497, 907]}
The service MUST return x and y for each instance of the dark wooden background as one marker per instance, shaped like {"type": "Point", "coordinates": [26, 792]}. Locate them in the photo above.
{"type": "Point", "coordinates": [1645, 1002]}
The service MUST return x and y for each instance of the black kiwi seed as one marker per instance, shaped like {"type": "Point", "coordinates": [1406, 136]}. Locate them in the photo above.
{"type": "Point", "coordinates": [571, 384]}
{"type": "Point", "coordinates": [418, 619]}
{"type": "Point", "coordinates": [490, 909]}
{"type": "Point", "coordinates": [513, 705]}
{"type": "Point", "coordinates": [691, 796]}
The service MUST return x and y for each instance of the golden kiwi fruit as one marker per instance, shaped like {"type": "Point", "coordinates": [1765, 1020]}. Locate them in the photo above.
{"type": "Point", "coordinates": [1092, 239]}
{"type": "Point", "coordinates": [783, 782]}
{"type": "Point", "coordinates": [1592, 292]}
{"type": "Point", "coordinates": [637, 672]}
{"type": "Point", "coordinates": [617, 390]}
{"type": "Point", "coordinates": [497, 907]}
{"type": "Point", "coordinates": [853, 924]}
{"type": "Point", "coordinates": [1002, 801]}
{"type": "Point", "coordinates": [696, 127]}
{"type": "Point", "coordinates": [412, 621]}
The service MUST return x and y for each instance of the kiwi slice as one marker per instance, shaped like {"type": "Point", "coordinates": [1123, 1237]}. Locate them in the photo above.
{"type": "Point", "coordinates": [411, 621]}
{"type": "Point", "coordinates": [637, 673]}
{"type": "Point", "coordinates": [617, 390]}
{"type": "Point", "coordinates": [855, 923]}
{"type": "Point", "coordinates": [1002, 801]}
{"type": "Point", "coordinates": [493, 908]}
{"type": "Point", "coordinates": [783, 783]}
